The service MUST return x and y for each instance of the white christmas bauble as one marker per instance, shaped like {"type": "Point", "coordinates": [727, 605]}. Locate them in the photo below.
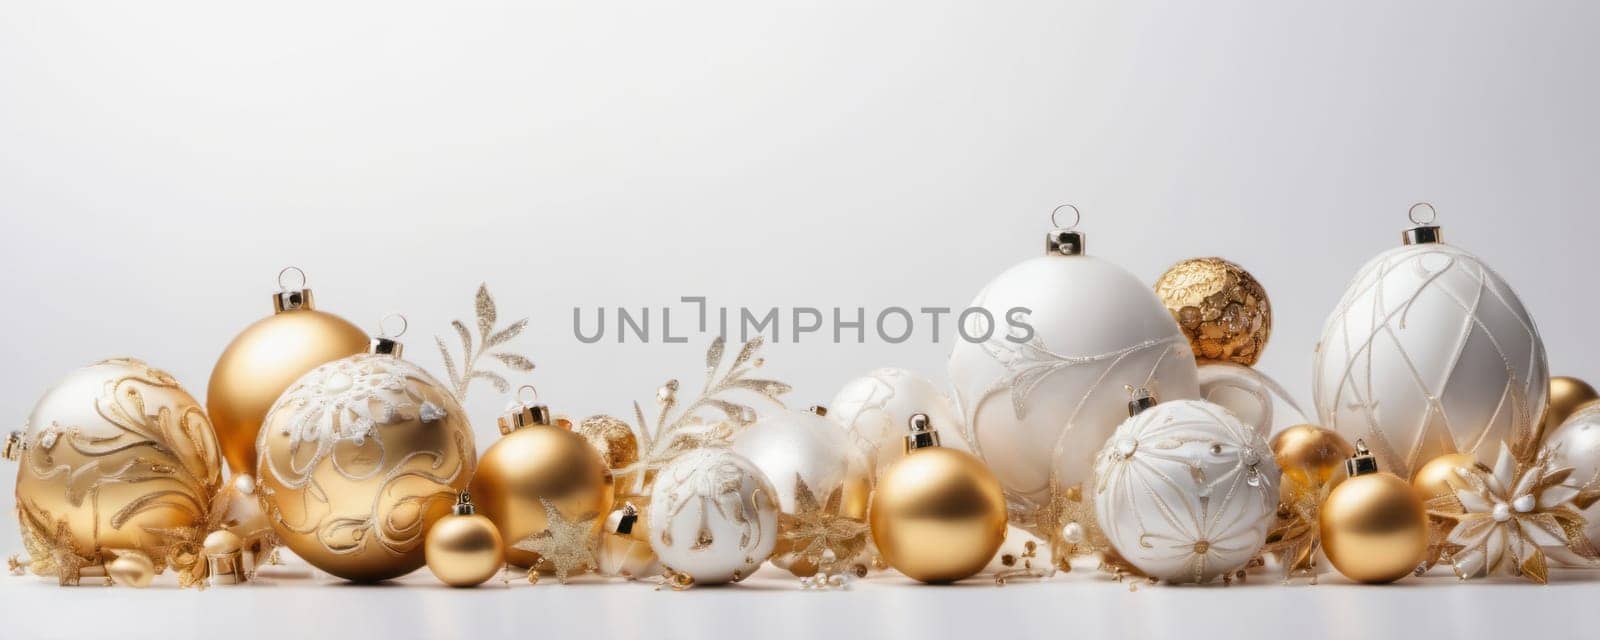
{"type": "Point", "coordinates": [1185, 492]}
{"type": "Point", "coordinates": [875, 410]}
{"type": "Point", "coordinates": [1096, 329]}
{"type": "Point", "coordinates": [1429, 352]}
{"type": "Point", "coordinates": [792, 447]}
{"type": "Point", "coordinates": [712, 516]}
{"type": "Point", "coordinates": [1253, 397]}
{"type": "Point", "coordinates": [1576, 444]}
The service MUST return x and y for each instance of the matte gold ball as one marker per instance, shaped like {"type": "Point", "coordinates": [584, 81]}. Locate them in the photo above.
{"type": "Point", "coordinates": [534, 463]}
{"type": "Point", "coordinates": [261, 362]}
{"type": "Point", "coordinates": [1374, 528]}
{"type": "Point", "coordinates": [938, 515]}
{"type": "Point", "coordinates": [1310, 456]}
{"type": "Point", "coordinates": [464, 550]}
{"type": "Point", "coordinates": [358, 459]}
{"type": "Point", "coordinates": [1438, 477]}
{"type": "Point", "coordinates": [132, 569]}
{"type": "Point", "coordinates": [1222, 309]}
{"type": "Point", "coordinates": [1567, 394]}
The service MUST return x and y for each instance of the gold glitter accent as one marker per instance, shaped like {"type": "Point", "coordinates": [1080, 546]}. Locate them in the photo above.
{"type": "Point", "coordinates": [818, 534]}
{"type": "Point", "coordinates": [488, 338]}
{"type": "Point", "coordinates": [1222, 309]}
{"type": "Point", "coordinates": [565, 547]}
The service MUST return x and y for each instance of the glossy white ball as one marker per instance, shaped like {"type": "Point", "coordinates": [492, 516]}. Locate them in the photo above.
{"type": "Point", "coordinates": [1576, 444]}
{"type": "Point", "coordinates": [1185, 492]}
{"type": "Point", "coordinates": [1038, 409]}
{"type": "Point", "coordinates": [876, 409]}
{"type": "Point", "coordinates": [713, 516]}
{"type": "Point", "coordinates": [1429, 352]}
{"type": "Point", "coordinates": [1252, 396]}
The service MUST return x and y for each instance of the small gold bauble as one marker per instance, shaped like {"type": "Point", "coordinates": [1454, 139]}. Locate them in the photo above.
{"type": "Point", "coordinates": [263, 360]}
{"type": "Point", "coordinates": [1309, 455]}
{"type": "Point", "coordinates": [116, 452]}
{"type": "Point", "coordinates": [539, 461]}
{"type": "Point", "coordinates": [464, 549]}
{"type": "Point", "coordinates": [938, 514]}
{"type": "Point", "coordinates": [1438, 477]}
{"type": "Point", "coordinates": [132, 569]}
{"type": "Point", "coordinates": [1567, 395]}
{"type": "Point", "coordinates": [1374, 528]}
{"type": "Point", "coordinates": [358, 459]}
{"type": "Point", "coordinates": [1222, 309]}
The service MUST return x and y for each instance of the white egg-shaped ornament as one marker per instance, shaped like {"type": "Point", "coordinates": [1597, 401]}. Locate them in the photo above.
{"type": "Point", "coordinates": [1576, 445]}
{"type": "Point", "coordinates": [1429, 352]}
{"type": "Point", "coordinates": [1184, 491]}
{"type": "Point", "coordinates": [816, 471]}
{"type": "Point", "coordinates": [875, 408]}
{"type": "Point", "coordinates": [1253, 397]}
{"type": "Point", "coordinates": [713, 517]}
{"type": "Point", "coordinates": [1041, 386]}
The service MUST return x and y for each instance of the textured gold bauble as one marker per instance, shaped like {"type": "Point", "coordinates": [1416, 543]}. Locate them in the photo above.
{"type": "Point", "coordinates": [618, 447]}
{"type": "Point", "coordinates": [534, 463]}
{"type": "Point", "coordinates": [358, 459]}
{"type": "Point", "coordinates": [1567, 394]}
{"type": "Point", "coordinates": [464, 549]}
{"type": "Point", "coordinates": [1309, 455]}
{"type": "Point", "coordinates": [1374, 528]}
{"type": "Point", "coordinates": [1438, 476]}
{"type": "Point", "coordinates": [1222, 309]}
{"type": "Point", "coordinates": [938, 515]}
{"type": "Point", "coordinates": [262, 361]}
{"type": "Point", "coordinates": [113, 455]}
{"type": "Point", "coordinates": [132, 569]}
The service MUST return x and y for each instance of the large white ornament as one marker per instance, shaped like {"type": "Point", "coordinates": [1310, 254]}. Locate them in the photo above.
{"type": "Point", "coordinates": [712, 516]}
{"type": "Point", "coordinates": [875, 409]}
{"type": "Point", "coordinates": [792, 447]}
{"type": "Point", "coordinates": [1429, 352]}
{"type": "Point", "coordinates": [1185, 492]}
{"type": "Point", "coordinates": [1576, 444]}
{"type": "Point", "coordinates": [1038, 407]}
{"type": "Point", "coordinates": [1253, 397]}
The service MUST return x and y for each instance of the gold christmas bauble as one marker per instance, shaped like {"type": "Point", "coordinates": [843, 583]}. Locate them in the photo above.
{"type": "Point", "coordinates": [263, 360]}
{"type": "Point", "coordinates": [1309, 455]}
{"type": "Point", "coordinates": [116, 453]}
{"type": "Point", "coordinates": [132, 569]}
{"type": "Point", "coordinates": [358, 459]}
{"type": "Point", "coordinates": [938, 514]}
{"type": "Point", "coordinates": [1222, 309]}
{"type": "Point", "coordinates": [534, 462]}
{"type": "Point", "coordinates": [1567, 395]}
{"type": "Point", "coordinates": [464, 549]}
{"type": "Point", "coordinates": [618, 447]}
{"type": "Point", "coordinates": [1374, 528]}
{"type": "Point", "coordinates": [1438, 476]}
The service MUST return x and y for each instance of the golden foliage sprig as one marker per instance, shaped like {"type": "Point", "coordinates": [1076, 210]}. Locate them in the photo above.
{"type": "Point", "coordinates": [473, 350]}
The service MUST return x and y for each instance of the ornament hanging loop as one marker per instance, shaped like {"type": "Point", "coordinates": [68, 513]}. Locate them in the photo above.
{"type": "Point", "coordinates": [1064, 241]}
{"type": "Point", "coordinates": [385, 342]}
{"type": "Point", "coordinates": [1423, 215]}
{"type": "Point", "coordinates": [291, 298]}
{"type": "Point", "coordinates": [527, 394]}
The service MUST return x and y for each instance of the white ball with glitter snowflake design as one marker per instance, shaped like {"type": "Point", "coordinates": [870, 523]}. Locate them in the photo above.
{"type": "Point", "coordinates": [1038, 402]}
{"type": "Point", "coordinates": [1429, 352]}
{"type": "Point", "coordinates": [713, 516]}
{"type": "Point", "coordinates": [1185, 492]}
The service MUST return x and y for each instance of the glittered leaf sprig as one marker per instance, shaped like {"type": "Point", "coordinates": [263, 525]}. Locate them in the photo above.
{"type": "Point", "coordinates": [489, 338]}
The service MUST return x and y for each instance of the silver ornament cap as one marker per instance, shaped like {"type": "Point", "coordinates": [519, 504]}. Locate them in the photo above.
{"type": "Point", "coordinates": [1064, 241]}
{"type": "Point", "coordinates": [1426, 232]}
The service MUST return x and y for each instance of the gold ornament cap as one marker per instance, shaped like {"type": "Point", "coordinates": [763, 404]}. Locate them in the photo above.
{"type": "Point", "coordinates": [1425, 232]}
{"type": "Point", "coordinates": [1064, 241]}
{"type": "Point", "coordinates": [1140, 399]}
{"type": "Point", "coordinates": [1362, 463]}
{"type": "Point", "coordinates": [386, 342]}
{"type": "Point", "coordinates": [14, 446]}
{"type": "Point", "coordinates": [524, 413]}
{"type": "Point", "coordinates": [292, 298]}
{"type": "Point", "coordinates": [464, 505]}
{"type": "Point", "coordinates": [922, 433]}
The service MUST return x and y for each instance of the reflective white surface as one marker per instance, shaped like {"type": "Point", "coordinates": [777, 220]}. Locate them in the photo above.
{"type": "Point", "coordinates": [1083, 605]}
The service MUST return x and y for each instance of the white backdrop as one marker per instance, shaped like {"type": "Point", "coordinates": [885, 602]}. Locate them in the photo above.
{"type": "Point", "coordinates": [160, 161]}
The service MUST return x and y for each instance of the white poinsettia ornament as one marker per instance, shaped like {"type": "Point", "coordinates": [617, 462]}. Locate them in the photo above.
{"type": "Point", "coordinates": [1501, 520]}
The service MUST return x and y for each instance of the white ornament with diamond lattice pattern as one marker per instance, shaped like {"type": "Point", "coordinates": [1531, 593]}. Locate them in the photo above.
{"type": "Point", "coordinates": [1429, 352]}
{"type": "Point", "coordinates": [1185, 492]}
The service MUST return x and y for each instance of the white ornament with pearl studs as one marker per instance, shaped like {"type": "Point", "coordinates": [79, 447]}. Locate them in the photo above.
{"type": "Point", "coordinates": [1185, 492]}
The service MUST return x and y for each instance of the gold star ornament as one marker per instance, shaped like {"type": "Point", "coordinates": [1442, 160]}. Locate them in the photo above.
{"type": "Point", "coordinates": [565, 547]}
